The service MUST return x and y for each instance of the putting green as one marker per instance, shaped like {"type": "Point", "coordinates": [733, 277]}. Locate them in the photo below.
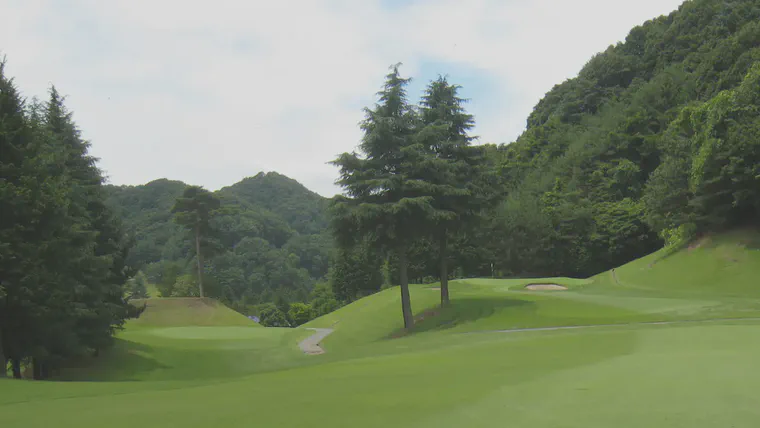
{"type": "Point", "coordinates": [212, 333]}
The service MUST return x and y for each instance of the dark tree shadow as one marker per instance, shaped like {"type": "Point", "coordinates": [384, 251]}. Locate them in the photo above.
{"type": "Point", "coordinates": [460, 311]}
{"type": "Point", "coordinates": [123, 362]}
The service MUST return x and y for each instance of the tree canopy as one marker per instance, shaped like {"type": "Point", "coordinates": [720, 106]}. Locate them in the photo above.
{"type": "Point", "coordinates": [62, 257]}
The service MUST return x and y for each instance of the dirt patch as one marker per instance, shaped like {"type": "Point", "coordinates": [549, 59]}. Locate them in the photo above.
{"type": "Point", "coordinates": [434, 288]}
{"type": "Point", "coordinates": [545, 287]}
{"type": "Point", "coordinates": [418, 319]}
{"type": "Point", "coordinates": [699, 242]}
{"type": "Point", "coordinates": [430, 313]}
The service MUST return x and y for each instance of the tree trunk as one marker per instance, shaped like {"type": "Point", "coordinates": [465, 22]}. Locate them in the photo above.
{"type": "Point", "coordinates": [444, 272]}
{"type": "Point", "coordinates": [45, 371]}
{"type": "Point", "coordinates": [406, 300]}
{"type": "Point", "coordinates": [36, 369]}
{"type": "Point", "coordinates": [16, 366]}
{"type": "Point", "coordinates": [3, 360]}
{"type": "Point", "coordinates": [200, 259]}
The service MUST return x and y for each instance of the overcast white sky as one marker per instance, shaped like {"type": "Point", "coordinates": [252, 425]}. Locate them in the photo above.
{"type": "Point", "coordinates": [210, 92]}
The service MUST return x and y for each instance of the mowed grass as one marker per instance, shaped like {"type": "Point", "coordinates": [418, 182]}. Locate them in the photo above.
{"type": "Point", "coordinates": [187, 311]}
{"type": "Point", "coordinates": [456, 369]}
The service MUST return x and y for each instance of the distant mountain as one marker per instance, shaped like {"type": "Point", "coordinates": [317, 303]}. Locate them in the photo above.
{"type": "Point", "coordinates": [272, 236]}
{"type": "Point", "coordinates": [146, 213]}
{"type": "Point", "coordinates": [301, 208]}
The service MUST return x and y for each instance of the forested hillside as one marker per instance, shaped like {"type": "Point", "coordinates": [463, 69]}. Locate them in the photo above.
{"type": "Point", "coordinates": [270, 242]}
{"type": "Point", "coordinates": [657, 138]}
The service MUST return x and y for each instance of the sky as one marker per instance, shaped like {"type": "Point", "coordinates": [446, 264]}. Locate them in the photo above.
{"type": "Point", "coordinates": [211, 92]}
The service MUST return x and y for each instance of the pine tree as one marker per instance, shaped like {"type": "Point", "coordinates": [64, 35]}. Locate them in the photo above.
{"type": "Point", "coordinates": [33, 230]}
{"type": "Point", "coordinates": [384, 201]}
{"type": "Point", "coordinates": [451, 167]}
{"type": "Point", "coordinates": [14, 137]}
{"type": "Point", "coordinates": [194, 210]}
{"type": "Point", "coordinates": [62, 253]}
{"type": "Point", "coordinates": [97, 244]}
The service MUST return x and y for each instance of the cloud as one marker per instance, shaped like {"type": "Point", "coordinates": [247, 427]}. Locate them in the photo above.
{"type": "Point", "coordinates": [211, 92]}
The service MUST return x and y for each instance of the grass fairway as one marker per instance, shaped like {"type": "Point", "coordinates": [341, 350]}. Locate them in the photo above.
{"type": "Point", "coordinates": [176, 368]}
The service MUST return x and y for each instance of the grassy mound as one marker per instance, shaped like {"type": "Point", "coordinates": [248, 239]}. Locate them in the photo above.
{"type": "Point", "coordinates": [187, 339]}
{"type": "Point", "coordinates": [189, 311]}
{"type": "Point", "coordinates": [726, 264]}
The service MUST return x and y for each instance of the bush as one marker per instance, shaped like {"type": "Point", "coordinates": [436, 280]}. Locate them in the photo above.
{"type": "Point", "coordinates": [136, 287]}
{"type": "Point", "coordinates": [271, 316]}
{"type": "Point", "coordinates": [300, 313]}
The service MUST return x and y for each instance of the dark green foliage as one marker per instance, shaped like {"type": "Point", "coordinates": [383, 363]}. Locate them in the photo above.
{"type": "Point", "coordinates": [386, 200]}
{"type": "Point", "coordinates": [710, 174]}
{"type": "Point", "coordinates": [300, 313]}
{"type": "Point", "coordinates": [194, 210]}
{"type": "Point", "coordinates": [302, 210]}
{"type": "Point", "coordinates": [146, 213]}
{"type": "Point", "coordinates": [136, 287]}
{"type": "Point", "coordinates": [355, 272]}
{"type": "Point", "coordinates": [63, 252]}
{"type": "Point", "coordinates": [323, 300]}
{"type": "Point", "coordinates": [580, 192]}
{"type": "Point", "coordinates": [272, 316]}
{"type": "Point", "coordinates": [450, 169]}
{"type": "Point", "coordinates": [253, 255]}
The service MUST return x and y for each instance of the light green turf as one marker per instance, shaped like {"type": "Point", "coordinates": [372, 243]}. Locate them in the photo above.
{"type": "Point", "coordinates": [181, 311]}
{"type": "Point", "coordinates": [180, 370]}
{"type": "Point", "coordinates": [152, 290]}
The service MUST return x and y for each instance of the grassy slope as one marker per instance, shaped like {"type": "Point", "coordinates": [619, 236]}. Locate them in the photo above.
{"type": "Point", "coordinates": [695, 375]}
{"type": "Point", "coordinates": [181, 311]}
{"type": "Point", "coordinates": [725, 265]}
{"type": "Point", "coordinates": [189, 339]}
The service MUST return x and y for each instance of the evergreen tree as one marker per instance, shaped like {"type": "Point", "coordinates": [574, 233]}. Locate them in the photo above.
{"type": "Point", "coordinates": [450, 169]}
{"type": "Point", "coordinates": [137, 286]}
{"type": "Point", "coordinates": [194, 210]}
{"type": "Point", "coordinates": [384, 198]}
{"type": "Point", "coordinates": [62, 253]}
{"type": "Point", "coordinates": [33, 233]}
{"type": "Point", "coordinates": [97, 247]}
{"type": "Point", "coordinates": [15, 151]}
{"type": "Point", "coordinates": [355, 272]}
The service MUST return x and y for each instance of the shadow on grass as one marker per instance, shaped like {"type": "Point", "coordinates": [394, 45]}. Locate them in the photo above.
{"type": "Point", "coordinates": [461, 311]}
{"type": "Point", "coordinates": [752, 242]}
{"type": "Point", "coordinates": [125, 361]}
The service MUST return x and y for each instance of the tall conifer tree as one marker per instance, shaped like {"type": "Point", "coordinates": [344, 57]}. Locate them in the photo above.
{"type": "Point", "coordinates": [194, 210]}
{"type": "Point", "coordinates": [384, 200]}
{"type": "Point", "coordinates": [450, 168]}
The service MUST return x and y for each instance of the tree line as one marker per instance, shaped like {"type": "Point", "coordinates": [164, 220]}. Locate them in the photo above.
{"type": "Point", "coordinates": [62, 251]}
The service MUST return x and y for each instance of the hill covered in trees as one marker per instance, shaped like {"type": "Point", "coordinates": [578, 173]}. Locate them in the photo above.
{"type": "Point", "coordinates": [657, 139]}
{"type": "Point", "coordinates": [270, 240]}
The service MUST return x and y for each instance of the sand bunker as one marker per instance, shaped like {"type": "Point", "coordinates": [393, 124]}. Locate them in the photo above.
{"type": "Point", "coordinates": [545, 287]}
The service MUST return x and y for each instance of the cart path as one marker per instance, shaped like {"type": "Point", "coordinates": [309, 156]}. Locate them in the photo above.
{"type": "Point", "coordinates": [310, 345]}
